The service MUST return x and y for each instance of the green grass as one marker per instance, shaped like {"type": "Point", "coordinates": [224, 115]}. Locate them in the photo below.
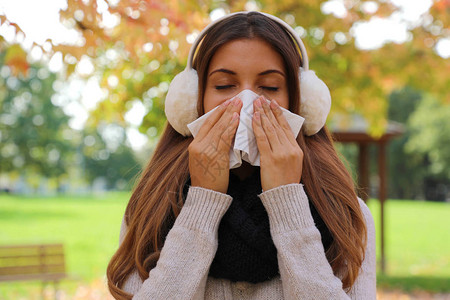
{"type": "Point", "coordinates": [87, 226]}
{"type": "Point", "coordinates": [417, 245]}
{"type": "Point", "coordinates": [417, 237]}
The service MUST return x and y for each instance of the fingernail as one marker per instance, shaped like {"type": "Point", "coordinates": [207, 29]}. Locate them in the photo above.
{"type": "Point", "coordinates": [235, 116]}
{"type": "Point", "coordinates": [236, 101]}
{"type": "Point", "coordinates": [258, 102]}
{"type": "Point", "coordinates": [275, 102]}
{"type": "Point", "coordinates": [226, 103]}
{"type": "Point", "coordinates": [256, 115]}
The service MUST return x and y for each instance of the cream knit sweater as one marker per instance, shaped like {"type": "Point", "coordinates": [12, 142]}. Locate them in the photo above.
{"type": "Point", "coordinates": [190, 246]}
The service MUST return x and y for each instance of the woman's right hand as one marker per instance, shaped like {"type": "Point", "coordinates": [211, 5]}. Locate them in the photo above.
{"type": "Point", "coordinates": [209, 158]}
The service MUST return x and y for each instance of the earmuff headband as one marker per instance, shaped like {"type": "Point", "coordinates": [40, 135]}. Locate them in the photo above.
{"type": "Point", "coordinates": [294, 35]}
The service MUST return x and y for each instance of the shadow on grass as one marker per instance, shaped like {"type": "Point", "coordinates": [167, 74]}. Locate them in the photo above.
{"type": "Point", "coordinates": [413, 283]}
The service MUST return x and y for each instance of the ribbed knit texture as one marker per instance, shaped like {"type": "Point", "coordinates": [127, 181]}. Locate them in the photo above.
{"type": "Point", "coordinates": [246, 251]}
{"type": "Point", "coordinates": [182, 269]}
{"type": "Point", "coordinates": [286, 204]}
{"type": "Point", "coordinates": [207, 209]}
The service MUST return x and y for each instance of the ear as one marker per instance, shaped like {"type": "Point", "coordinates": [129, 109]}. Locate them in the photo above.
{"type": "Point", "coordinates": [180, 105]}
{"type": "Point", "coordinates": [315, 101]}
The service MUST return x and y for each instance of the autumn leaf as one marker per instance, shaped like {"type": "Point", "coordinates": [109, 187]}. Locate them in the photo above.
{"type": "Point", "coordinates": [16, 60]}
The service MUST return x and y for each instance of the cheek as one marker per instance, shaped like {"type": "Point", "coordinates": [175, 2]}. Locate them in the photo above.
{"type": "Point", "coordinates": [211, 100]}
{"type": "Point", "coordinates": [283, 99]}
{"type": "Point", "coordinates": [285, 103]}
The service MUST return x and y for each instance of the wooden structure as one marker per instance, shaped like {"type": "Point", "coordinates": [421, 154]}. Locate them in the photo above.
{"type": "Point", "coordinates": [353, 129]}
{"type": "Point", "coordinates": [33, 262]}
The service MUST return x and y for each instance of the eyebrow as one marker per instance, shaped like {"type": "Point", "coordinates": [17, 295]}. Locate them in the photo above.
{"type": "Point", "coordinates": [259, 74]}
{"type": "Point", "coordinates": [223, 71]}
{"type": "Point", "coordinates": [272, 71]}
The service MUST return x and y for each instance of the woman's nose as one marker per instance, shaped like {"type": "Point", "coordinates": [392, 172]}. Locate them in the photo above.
{"type": "Point", "coordinates": [249, 87]}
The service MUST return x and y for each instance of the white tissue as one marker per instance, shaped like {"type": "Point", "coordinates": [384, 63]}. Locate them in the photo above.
{"type": "Point", "coordinates": [244, 146]}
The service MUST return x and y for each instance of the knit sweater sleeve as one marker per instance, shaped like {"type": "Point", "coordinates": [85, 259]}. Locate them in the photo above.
{"type": "Point", "coordinates": [304, 268]}
{"type": "Point", "coordinates": [190, 246]}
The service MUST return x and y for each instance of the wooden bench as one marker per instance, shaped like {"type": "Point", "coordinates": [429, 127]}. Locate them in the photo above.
{"type": "Point", "coordinates": [33, 262]}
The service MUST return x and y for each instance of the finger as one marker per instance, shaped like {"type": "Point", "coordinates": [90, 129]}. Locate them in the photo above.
{"type": "Point", "coordinates": [283, 122]}
{"type": "Point", "coordinates": [261, 139]}
{"type": "Point", "coordinates": [227, 137]}
{"type": "Point", "coordinates": [212, 120]}
{"type": "Point", "coordinates": [268, 111]}
{"type": "Point", "coordinates": [266, 125]}
{"type": "Point", "coordinates": [221, 126]}
{"type": "Point", "coordinates": [216, 150]}
{"type": "Point", "coordinates": [273, 120]}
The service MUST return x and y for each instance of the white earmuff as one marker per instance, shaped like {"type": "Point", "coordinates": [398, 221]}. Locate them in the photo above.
{"type": "Point", "coordinates": [182, 96]}
{"type": "Point", "coordinates": [181, 101]}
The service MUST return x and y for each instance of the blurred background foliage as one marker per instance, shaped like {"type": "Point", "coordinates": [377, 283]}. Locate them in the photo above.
{"type": "Point", "coordinates": [37, 141]}
{"type": "Point", "coordinates": [134, 48]}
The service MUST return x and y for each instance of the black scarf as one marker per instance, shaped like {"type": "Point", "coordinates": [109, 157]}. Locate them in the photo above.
{"type": "Point", "coordinates": [246, 251]}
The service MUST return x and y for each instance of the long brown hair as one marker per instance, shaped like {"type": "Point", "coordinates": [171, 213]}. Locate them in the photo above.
{"type": "Point", "coordinates": [157, 198]}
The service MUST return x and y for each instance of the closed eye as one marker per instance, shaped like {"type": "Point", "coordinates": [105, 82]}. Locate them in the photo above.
{"type": "Point", "coordinates": [270, 88]}
{"type": "Point", "coordinates": [223, 87]}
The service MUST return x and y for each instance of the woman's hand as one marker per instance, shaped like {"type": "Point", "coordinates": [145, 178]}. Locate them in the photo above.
{"type": "Point", "coordinates": [209, 152]}
{"type": "Point", "coordinates": [281, 158]}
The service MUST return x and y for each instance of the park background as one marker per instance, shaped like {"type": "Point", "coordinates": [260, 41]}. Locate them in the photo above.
{"type": "Point", "coordinates": [82, 89]}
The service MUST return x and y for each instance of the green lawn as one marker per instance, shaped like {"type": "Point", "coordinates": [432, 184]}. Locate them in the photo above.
{"type": "Point", "coordinates": [417, 237]}
{"type": "Point", "coordinates": [417, 243]}
{"type": "Point", "coordinates": [87, 226]}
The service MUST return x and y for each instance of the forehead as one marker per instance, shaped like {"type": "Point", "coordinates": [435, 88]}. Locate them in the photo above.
{"type": "Point", "coordinates": [246, 53]}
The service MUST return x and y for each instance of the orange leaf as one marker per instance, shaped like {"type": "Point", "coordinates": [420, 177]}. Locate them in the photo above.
{"type": "Point", "coordinates": [16, 59]}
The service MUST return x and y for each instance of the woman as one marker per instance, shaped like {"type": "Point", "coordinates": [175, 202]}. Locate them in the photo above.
{"type": "Point", "coordinates": [291, 228]}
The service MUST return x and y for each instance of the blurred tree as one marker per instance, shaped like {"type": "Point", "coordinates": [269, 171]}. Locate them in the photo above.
{"type": "Point", "coordinates": [138, 46]}
{"type": "Point", "coordinates": [430, 138]}
{"type": "Point", "coordinates": [36, 140]}
{"type": "Point", "coordinates": [34, 133]}
{"type": "Point", "coordinates": [106, 155]}
{"type": "Point", "coordinates": [407, 170]}
{"type": "Point", "coordinates": [419, 159]}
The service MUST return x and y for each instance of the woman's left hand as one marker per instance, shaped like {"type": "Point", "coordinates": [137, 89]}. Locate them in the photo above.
{"type": "Point", "coordinates": [281, 158]}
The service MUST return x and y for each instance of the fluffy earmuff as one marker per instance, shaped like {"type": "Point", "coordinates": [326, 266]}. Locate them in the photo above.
{"type": "Point", "coordinates": [315, 101]}
{"type": "Point", "coordinates": [182, 96]}
{"type": "Point", "coordinates": [181, 101]}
